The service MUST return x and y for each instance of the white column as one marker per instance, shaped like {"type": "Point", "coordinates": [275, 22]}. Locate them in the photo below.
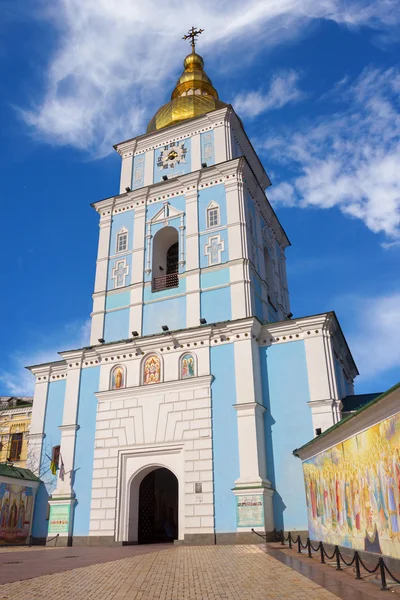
{"type": "Point", "coordinates": [36, 431]}
{"type": "Point", "coordinates": [195, 153]}
{"type": "Point", "coordinates": [126, 172]}
{"type": "Point", "coordinates": [68, 429]}
{"type": "Point", "coordinates": [251, 433]}
{"type": "Point", "coordinates": [100, 286]}
{"type": "Point", "coordinates": [149, 168]}
{"type": "Point", "coordinates": [324, 398]}
{"type": "Point", "coordinates": [221, 152]}
{"type": "Point", "coordinates": [192, 260]}
{"type": "Point", "coordinates": [239, 273]}
{"type": "Point", "coordinates": [138, 270]}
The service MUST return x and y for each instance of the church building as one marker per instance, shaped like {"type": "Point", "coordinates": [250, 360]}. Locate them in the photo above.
{"type": "Point", "coordinates": [179, 420]}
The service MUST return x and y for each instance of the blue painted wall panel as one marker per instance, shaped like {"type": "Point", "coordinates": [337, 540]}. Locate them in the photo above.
{"type": "Point", "coordinates": [116, 325]}
{"type": "Point", "coordinates": [84, 450]}
{"type": "Point", "coordinates": [225, 436]}
{"type": "Point", "coordinates": [214, 278]}
{"type": "Point", "coordinates": [138, 171]}
{"type": "Point", "coordinates": [207, 148]}
{"type": "Point", "coordinates": [118, 300]}
{"type": "Point", "coordinates": [149, 295]}
{"type": "Point", "coordinates": [52, 421]}
{"type": "Point", "coordinates": [214, 193]}
{"type": "Point", "coordinates": [119, 221]}
{"type": "Point", "coordinates": [215, 305]}
{"type": "Point", "coordinates": [204, 240]}
{"type": "Point", "coordinates": [288, 425]}
{"type": "Point", "coordinates": [166, 312]}
{"type": "Point", "coordinates": [112, 265]}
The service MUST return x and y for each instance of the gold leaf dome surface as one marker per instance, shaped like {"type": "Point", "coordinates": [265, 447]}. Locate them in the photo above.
{"type": "Point", "coordinates": [193, 95]}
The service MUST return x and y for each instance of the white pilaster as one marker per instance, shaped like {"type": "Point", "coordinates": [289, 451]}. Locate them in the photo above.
{"type": "Point", "coordinates": [324, 399]}
{"type": "Point", "coordinates": [68, 430]}
{"type": "Point", "coordinates": [149, 168]}
{"type": "Point", "coordinates": [126, 172]}
{"type": "Point", "coordinates": [36, 431]}
{"type": "Point", "coordinates": [196, 152]}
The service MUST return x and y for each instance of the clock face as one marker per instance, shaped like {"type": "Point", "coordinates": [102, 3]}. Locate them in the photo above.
{"type": "Point", "coordinates": [171, 156]}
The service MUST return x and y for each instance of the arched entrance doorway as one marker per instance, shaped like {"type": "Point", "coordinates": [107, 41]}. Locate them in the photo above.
{"type": "Point", "coordinates": [158, 507]}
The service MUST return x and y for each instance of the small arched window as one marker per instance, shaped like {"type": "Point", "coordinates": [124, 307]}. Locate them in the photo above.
{"type": "Point", "coordinates": [187, 366]}
{"type": "Point", "coordinates": [213, 215]}
{"type": "Point", "coordinates": [122, 240]}
{"type": "Point", "coordinates": [151, 369]}
{"type": "Point", "coordinates": [118, 377]}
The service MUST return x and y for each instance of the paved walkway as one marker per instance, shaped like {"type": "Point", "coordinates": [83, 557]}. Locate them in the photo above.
{"type": "Point", "coordinates": [183, 573]}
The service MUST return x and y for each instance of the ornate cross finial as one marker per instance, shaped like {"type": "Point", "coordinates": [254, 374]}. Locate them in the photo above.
{"type": "Point", "coordinates": [192, 35]}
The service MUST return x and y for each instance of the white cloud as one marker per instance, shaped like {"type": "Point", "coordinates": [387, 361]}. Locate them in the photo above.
{"type": "Point", "coordinates": [282, 90]}
{"type": "Point", "coordinates": [349, 159]}
{"type": "Point", "coordinates": [19, 381]}
{"type": "Point", "coordinates": [374, 341]}
{"type": "Point", "coordinates": [114, 58]}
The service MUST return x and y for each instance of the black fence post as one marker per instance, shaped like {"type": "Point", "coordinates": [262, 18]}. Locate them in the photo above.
{"type": "Point", "coordinates": [321, 549]}
{"type": "Point", "coordinates": [338, 567]}
{"type": "Point", "coordinates": [30, 541]}
{"type": "Point", "coordinates": [282, 537]}
{"type": "Point", "coordinates": [298, 544]}
{"type": "Point", "coordinates": [357, 564]}
{"type": "Point", "coordinates": [383, 574]}
{"type": "Point", "coordinates": [309, 548]}
{"type": "Point", "coordinates": [290, 540]}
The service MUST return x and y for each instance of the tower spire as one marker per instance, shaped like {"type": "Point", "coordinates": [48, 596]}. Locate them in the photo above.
{"type": "Point", "coordinates": [192, 34]}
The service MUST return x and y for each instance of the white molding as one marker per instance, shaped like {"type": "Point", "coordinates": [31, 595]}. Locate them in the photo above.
{"type": "Point", "coordinates": [150, 390]}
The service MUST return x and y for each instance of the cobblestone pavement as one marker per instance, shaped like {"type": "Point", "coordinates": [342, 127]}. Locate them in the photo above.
{"type": "Point", "coordinates": [186, 573]}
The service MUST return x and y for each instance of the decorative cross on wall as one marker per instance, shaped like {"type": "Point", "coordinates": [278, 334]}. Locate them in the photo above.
{"type": "Point", "coordinates": [120, 273]}
{"type": "Point", "coordinates": [214, 249]}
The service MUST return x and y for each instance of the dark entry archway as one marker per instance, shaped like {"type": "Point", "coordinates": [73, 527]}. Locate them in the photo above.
{"type": "Point", "coordinates": [158, 507]}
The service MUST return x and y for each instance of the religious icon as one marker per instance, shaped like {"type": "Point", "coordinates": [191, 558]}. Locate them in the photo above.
{"type": "Point", "coordinates": [187, 366]}
{"type": "Point", "coordinates": [118, 378]}
{"type": "Point", "coordinates": [152, 370]}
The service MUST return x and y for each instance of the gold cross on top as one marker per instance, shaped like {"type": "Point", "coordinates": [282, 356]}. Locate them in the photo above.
{"type": "Point", "coordinates": [192, 35]}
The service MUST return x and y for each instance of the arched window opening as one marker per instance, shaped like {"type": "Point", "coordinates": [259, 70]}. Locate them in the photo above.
{"type": "Point", "coordinates": [55, 459]}
{"type": "Point", "coordinates": [165, 259]}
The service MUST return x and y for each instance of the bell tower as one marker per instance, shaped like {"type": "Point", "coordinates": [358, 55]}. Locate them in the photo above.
{"type": "Point", "coordinates": [191, 236]}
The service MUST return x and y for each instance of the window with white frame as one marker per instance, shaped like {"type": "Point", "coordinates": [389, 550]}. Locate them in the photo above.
{"type": "Point", "coordinates": [122, 241]}
{"type": "Point", "coordinates": [213, 215]}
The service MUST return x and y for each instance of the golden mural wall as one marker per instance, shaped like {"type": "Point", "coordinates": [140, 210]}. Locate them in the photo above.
{"type": "Point", "coordinates": [353, 491]}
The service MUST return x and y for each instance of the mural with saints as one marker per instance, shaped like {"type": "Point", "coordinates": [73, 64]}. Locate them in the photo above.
{"type": "Point", "coordinates": [117, 378]}
{"type": "Point", "coordinates": [16, 503]}
{"type": "Point", "coordinates": [152, 370]}
{"type": "Point", "coordinates": [353, 491]}
{"type": "Point", "coordinates": [187, 366]}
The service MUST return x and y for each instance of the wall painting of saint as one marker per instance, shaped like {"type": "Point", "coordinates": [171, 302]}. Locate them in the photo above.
{"type": "Point", "coordinates": [152, 370]}
{"type": "Point", "coordinates": [187, 366]}
{"type": "Point", "coordinates": [118, 378]}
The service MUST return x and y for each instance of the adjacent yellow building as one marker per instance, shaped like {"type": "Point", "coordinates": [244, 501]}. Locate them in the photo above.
{"type": "Point", "coordinates": [15, 420]}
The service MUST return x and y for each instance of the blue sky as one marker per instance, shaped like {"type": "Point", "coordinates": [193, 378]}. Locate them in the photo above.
{"type": "Point", "coordinates": [317, 87]}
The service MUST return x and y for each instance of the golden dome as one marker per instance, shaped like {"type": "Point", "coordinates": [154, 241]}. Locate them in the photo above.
{"type": "Point", "coordinates": [193, 95]}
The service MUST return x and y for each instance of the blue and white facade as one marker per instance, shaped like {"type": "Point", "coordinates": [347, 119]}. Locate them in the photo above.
{"type": "Point", "coordinates": [260, 383]}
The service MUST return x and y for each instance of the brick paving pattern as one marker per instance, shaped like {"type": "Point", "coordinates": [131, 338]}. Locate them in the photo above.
{"type": "Point", "coordinates": [187, 573]}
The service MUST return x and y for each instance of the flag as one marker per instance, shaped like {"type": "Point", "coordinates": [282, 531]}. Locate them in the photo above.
{"type": "Point", "coordinates": [62, 469]}
{"type": "Point", "coordinates": [53, 467]}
